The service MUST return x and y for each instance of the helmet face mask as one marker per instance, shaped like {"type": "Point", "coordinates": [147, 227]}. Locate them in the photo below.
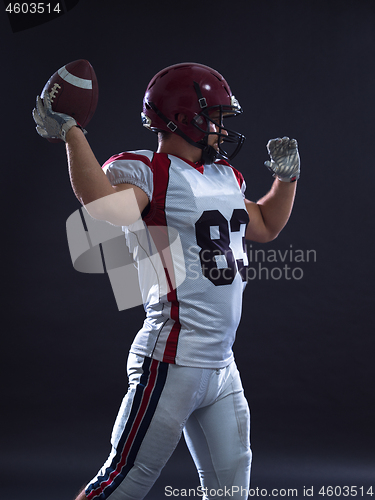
{"type": "Point", "coordinates": [204, 97]}
{"type": "Point", "coordinates": [215, 115]}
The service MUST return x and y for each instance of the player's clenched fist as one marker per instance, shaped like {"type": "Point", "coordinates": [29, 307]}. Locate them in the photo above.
{"type": "Point", "coordinates": [285, 161]}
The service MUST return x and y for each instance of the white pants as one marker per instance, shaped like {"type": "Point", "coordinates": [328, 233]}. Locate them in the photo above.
{"type": "Point", "coordinates": [164, 400]}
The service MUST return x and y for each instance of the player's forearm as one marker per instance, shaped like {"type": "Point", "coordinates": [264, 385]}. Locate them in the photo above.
{"type": "Point", "coordinates": [276, 206]}
{"type": "Point", "coordinates": [88, 181]}
{"type": "Point", "coordinates": [93, 189]}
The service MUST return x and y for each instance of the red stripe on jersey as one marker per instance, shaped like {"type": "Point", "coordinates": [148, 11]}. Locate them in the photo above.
{"type": "Point", "coordinates": [128, 156]}
{"type": "Point", "coordinates": [197, 165]}
{"type": "Point", "coordinates": [157, 224]}
{"type": "Point", "coordinates": [172, 342]}
{"type": "Point", "coordinates": [238, 174]}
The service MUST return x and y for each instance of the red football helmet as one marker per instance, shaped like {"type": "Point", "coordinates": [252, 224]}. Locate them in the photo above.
{"type": "Point", "coordinates": [196, 91]}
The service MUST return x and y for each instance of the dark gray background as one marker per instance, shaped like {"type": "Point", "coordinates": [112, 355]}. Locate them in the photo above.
{"type": "Point", "coordinates": [305, 347]}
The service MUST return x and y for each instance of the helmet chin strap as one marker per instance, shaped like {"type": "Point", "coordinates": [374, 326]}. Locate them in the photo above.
{"type": "Point", "coordinates": [209, 154]}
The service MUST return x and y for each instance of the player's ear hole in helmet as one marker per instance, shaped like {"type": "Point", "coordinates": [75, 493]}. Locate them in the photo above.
{"type": "Point", "coordinates": [204, 97]}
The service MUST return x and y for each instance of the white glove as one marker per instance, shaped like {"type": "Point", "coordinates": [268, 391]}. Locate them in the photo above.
{"type": "Point", "coordinates": [51, 125]}
{"type": "Point", "coordinates": [285, 161]}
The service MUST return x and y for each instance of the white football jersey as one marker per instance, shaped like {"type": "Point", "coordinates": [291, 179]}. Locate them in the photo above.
{"type": "Point", "coordinates": [194, 321]}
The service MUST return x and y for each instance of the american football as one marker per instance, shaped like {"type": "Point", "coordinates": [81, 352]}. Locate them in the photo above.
{"type": "Point", "coordinates": [73, 90]}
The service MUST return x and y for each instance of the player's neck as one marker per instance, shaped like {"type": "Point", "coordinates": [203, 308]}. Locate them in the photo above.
{"type": "Point", "coordinates": [177, 146]}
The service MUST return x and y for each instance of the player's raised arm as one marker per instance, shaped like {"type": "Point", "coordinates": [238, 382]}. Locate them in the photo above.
{"type": "Point", "coordinates": [119, 205]}
{"type": "Point", "coordinates": [270, 214]}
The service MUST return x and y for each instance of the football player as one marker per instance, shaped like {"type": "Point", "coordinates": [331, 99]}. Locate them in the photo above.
{"type": "Point", "coordinates": [181, 368]}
